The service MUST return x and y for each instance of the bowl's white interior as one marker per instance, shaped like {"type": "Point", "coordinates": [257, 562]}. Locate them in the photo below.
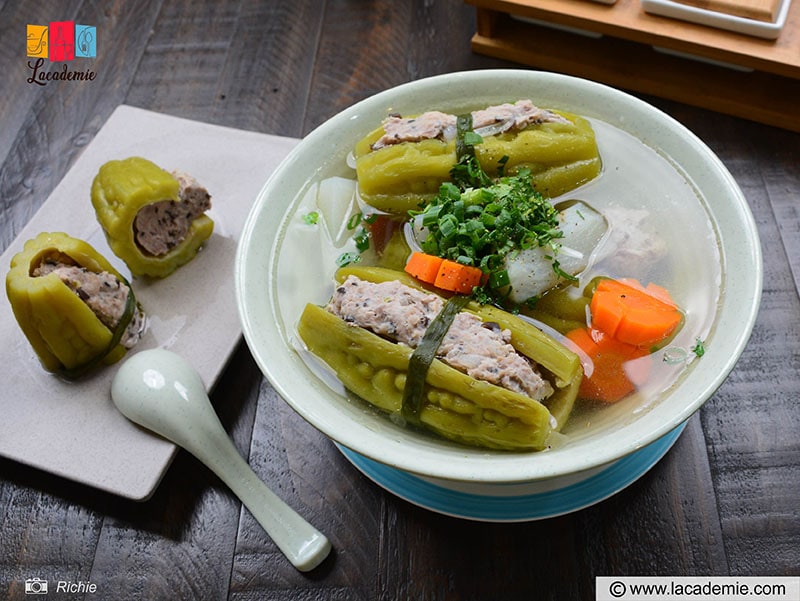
{"type": "Point", "coordinates": [322, 154]}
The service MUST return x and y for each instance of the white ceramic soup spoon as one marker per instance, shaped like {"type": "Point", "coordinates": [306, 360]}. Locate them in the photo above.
{"type": "Point", "coordinates": [159, 390]}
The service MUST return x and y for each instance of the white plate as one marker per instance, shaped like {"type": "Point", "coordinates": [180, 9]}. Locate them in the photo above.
{"type": "Point", "coordinates": [72, 429]}
{"type": "Point", "coordinates": [694, 14]}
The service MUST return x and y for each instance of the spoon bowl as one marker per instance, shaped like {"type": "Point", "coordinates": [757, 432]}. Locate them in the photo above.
{"type": "Point", "coordinates": [160, 391]}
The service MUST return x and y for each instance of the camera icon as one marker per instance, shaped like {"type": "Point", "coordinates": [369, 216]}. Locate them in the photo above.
{"type": "Point", "coordinates": [35, 586]}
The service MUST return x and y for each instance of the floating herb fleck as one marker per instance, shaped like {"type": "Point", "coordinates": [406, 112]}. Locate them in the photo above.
{"type": "Point", "coordinates": [354, 220]}
{"type": "Point", "coordinates": [347, 258]}
{"type": "Point", "coordinates": [361, 238]}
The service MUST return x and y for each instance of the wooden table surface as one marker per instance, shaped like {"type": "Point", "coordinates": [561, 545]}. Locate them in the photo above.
{"type": "Point", "coordinates": [724, 501]}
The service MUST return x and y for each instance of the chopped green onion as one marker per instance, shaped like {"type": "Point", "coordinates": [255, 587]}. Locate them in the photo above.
{"type": "Point", "coordinates": [479, 221]}
{"type": "Point", "coordinates": [362, 240]}
{"type": "Point", "coordinates": [347, 258]}
{"type": "Point", "coordinates": [463, 127]}
{"type": "Point", "coordinates": [480, 226]}
{"type": "Point", "coordinates": [501, 166]}
{"type": "Point", "coordinates": [499, 279]}
{"type": "Point", "coordinates": [567, 276]}
{"type": "Point", "coordinates": [311, 218]}
{"type": "Point", "coordinates": [471, 138]}
{"type": "Point", "coordinates": [353, 222]}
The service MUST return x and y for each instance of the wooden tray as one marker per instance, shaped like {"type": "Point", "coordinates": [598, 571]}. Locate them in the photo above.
{"type": "Point", "coordinates": [763, 10]}
{"type": "Point", "coordinates": [623, 46]}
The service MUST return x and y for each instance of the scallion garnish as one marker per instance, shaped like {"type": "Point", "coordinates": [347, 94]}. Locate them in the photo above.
{"type": "Point", "coordinates": [425, 353]}
{"type": "Point", "coordinates": [354, 220]}
{"type": "Point", "coordinates": [347, 258]}
{"type": "Point", "coordinates": [477, 221]}
{"type": "Point", "coordinates": [480, 226]}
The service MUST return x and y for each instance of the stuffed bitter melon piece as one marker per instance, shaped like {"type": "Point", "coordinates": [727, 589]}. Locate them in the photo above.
{"type": "Point", "coordinates": [454, 404]}
{"type": "Point", "coordinates": [560, 152]}
{"type": "Point", "coordinates": [74, 308]}
{"type": "Point", "coordinates": [528, 339]}
{"type": "Point", "coordinates": [153, 220]}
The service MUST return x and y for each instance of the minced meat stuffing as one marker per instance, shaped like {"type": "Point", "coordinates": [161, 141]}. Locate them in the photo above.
{"type": "Point", "coordinates": [161, 226]}
{"type": "Point", "coordinates": [402, 314]}
{"type": "Point", "coordinates": [442, 126]}
{"type": "Point", "coordinates": [102, 292]}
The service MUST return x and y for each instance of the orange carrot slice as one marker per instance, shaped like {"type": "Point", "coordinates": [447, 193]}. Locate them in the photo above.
{"type": "Point", "coordinates": [423, 266]}
{"type": "Point", "coordinates": [633, 314]}
{"type": "Point", "coordinates": [652, 289]}
{"type": "Point", "coordinates": [457, 277]}
{"type": "Point", "coordinates": [443, 273]}
{"type": "Point", "coordinates": [612, 369]}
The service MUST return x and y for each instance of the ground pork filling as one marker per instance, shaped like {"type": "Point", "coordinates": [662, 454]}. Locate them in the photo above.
{"type": "Point", "coordinates": [402, 314]}
{"type": "Point", "coordinates": [102, 292]}
{"type": "Point", "coordinates": [490, 121]}
{"type": "Point", "coordinates": [161, 226]}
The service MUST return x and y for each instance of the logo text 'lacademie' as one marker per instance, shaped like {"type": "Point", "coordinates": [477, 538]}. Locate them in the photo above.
{"type": "Point", "coordinates": [60, 41]}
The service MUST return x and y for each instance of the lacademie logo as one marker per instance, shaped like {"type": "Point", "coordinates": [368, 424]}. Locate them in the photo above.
{"type": "Point", "coordinates": [60, 41]}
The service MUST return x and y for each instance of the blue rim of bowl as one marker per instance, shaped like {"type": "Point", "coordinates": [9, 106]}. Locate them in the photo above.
{"type": "Point", "coordinates": [516, 508]}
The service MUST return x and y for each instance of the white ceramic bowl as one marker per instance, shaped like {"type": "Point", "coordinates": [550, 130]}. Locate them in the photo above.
{"type": "Point", "coordinates": [274, 278]}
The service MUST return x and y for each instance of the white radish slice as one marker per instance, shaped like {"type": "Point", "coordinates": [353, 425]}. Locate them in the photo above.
{"type": "Point", "coordinates": [531, 271]}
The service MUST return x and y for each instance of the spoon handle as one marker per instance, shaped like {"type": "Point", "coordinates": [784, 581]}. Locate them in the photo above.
{"type": "Point", "coordinates": [302, 544]}
{"type": "Point", "coordinates": [157, 389]}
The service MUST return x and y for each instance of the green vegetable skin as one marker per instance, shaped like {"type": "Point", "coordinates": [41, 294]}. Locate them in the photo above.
{"type": "Point", "coordinates": [119, 191]}
{"type": "Point", "coordinates": [399, 177]}
{"type": "Point", "coordinates": [456, 406]}
{"type": "Point", "coordinates": [65, 333]}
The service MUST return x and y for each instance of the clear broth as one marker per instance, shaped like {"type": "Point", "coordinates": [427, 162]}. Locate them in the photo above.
{"type": "Point", "coordinates": [634, 177]}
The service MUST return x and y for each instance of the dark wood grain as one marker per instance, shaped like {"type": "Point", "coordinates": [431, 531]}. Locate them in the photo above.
{"type": "Point", "coordinates": [757, 473]}
{"type": "Point", "coordinates": [61, 118]}
{"type": "Point", "coordinates": [723, 501]}
{"type": "Point", "coordinates": [362, 53]}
